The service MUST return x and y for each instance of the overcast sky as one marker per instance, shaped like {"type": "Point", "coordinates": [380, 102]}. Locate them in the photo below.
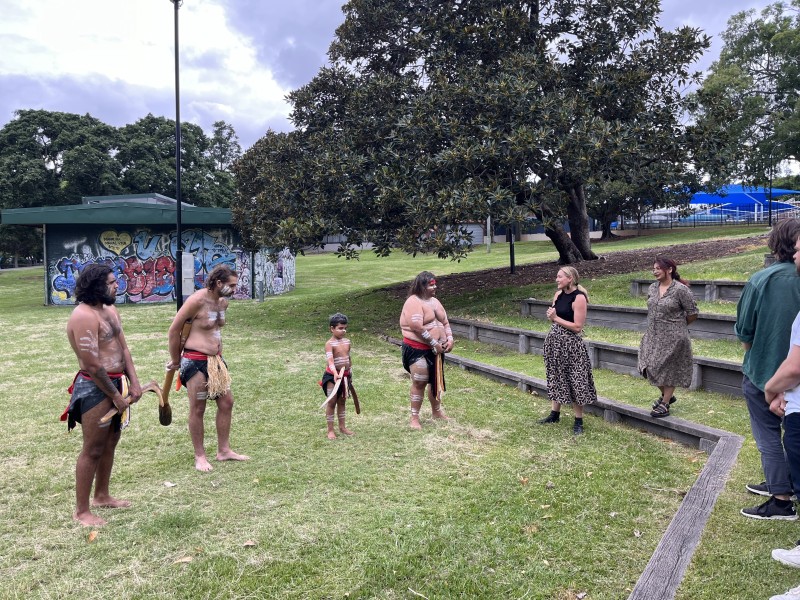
{"type": "Point", "coordinates": [114, 59]}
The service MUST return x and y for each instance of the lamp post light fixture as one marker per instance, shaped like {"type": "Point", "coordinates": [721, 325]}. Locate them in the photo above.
{"type": "Point", "coordinates": [178, 234]}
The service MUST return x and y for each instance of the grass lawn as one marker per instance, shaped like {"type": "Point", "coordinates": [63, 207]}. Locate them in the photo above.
{"type": "Point", "coordinates": [489, 505]}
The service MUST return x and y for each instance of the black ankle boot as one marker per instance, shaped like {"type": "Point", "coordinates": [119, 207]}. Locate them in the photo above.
{"type": "Point", "coordinates": [553, 417]}
{"type": "Point", "coordinates": [577, 428]}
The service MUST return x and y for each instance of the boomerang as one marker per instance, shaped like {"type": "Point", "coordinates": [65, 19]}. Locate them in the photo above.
{"type": "Point", "coordinates": [335, 389]}
{"type": "Point", "coordinates": [354, 395]}
{"type": "Point", "coordinates": [151, 386]}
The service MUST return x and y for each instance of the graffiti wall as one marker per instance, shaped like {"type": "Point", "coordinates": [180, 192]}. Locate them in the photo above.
{"type": "Point", "coordinates": [273, 278]}
{"type": "Point", "coordinates": [143, 259]}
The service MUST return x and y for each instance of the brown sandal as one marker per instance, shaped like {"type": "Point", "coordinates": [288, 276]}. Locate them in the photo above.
{"type": "Point", "coordinates": [662, 410]}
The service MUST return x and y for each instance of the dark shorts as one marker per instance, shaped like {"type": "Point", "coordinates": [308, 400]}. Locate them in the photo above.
{"type": "Point", "coordinates": [85, 396]}
{"type": "Point", "coordinates": [328, 378]}
{"type": "Point", "coordinates": [191, 367]}
{"type": "Point", "coordinates": [411, 355]}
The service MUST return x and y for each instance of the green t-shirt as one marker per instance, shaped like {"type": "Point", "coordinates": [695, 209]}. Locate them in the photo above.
{"type": "Point", "coordinates": [769, 303]}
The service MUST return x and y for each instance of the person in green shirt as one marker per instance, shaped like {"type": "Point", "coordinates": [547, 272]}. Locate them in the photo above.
{"type": "Point", "coordinates": [768, 305]}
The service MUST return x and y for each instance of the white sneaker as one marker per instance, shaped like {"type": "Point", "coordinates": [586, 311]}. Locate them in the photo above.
{"type": "Point", "coordinates": [792, 594]}
{"type": "Point", "coordinates": [790, 558]}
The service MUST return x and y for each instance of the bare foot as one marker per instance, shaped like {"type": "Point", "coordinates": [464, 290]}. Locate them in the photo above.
{"type": "Point", "coordinates": [110, 502]}
{"type": "Point", "coordinates": [231, 455]}
{"type": "Point", "coordinates": [87, 519]}
{"type": "Point", "coordinates": [201, 464]}
{"type": "Point", "coordinates": [415, 424]}
{"type": "Point", "coordinates": [346, 431]}
{"type": "Point", "coordinates": [439, 414]}
{"type": "Point", "coordinates": [331, 435]}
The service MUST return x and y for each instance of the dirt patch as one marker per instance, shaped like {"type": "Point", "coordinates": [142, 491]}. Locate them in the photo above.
{"type": "Point", "coordinates": [612, 263]}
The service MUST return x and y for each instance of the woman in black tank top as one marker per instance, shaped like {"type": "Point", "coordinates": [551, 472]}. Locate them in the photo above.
{"type": "Point", "coordinates": [566, 360]}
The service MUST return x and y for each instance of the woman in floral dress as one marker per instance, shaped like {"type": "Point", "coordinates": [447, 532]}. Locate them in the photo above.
{"type": "Point", "coordinates": [665, 354]}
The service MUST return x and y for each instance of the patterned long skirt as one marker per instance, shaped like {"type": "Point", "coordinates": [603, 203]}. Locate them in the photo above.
{"type": "Point", "coordinates": [569, 370]}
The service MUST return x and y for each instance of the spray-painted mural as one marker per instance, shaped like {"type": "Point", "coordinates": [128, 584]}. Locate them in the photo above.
{"type": "Point", "coordinates": [143, 260]}
{"type": "Point", "coordinates": [273, 278]}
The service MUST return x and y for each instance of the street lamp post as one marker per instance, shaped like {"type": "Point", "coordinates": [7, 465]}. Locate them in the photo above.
{"type": "Point", "coordinates": [179, 208]}
{"type": "Point", "coordinates": [769, 197]}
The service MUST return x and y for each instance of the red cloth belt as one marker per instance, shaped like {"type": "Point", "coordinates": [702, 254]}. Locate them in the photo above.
{"type": "Point", "coordinates": [85, 375]}
{"type": "Point", "coordinates": [416, 344]}
{"type": "Point", "coordinates": [191, 355]}
{"type": "Point", "coordinates": [329, 372]}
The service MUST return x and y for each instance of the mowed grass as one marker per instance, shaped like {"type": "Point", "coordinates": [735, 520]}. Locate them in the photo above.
{"type": "Point", "coordinates": [489, 505]}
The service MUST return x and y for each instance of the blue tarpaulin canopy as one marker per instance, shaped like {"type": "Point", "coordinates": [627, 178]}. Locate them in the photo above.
{"type": "Point", "coordinates": [741, 200]}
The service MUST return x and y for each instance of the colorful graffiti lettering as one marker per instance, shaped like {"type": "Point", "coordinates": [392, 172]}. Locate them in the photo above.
{"type": "Point", "coordinates": [243, 286]}
{"type": "Point", "coordinates": [148, 246]}
{"type": "Point", "coordinates": [143, 261]}
{"type": "Point", "coordinates": [151, 280]}
{"type": "Point", "coordinates": [68, 269]}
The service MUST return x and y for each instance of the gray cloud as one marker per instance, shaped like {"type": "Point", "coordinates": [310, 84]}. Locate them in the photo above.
{"type": "Point", "coordinates": [291, 41]}
{"type": "Point", "coordinates": [710, 16]}
{"type": "Point", "coordinates": [113, 102]}
{"type": "Point", "coordinates": [292, 38]}
{"type": "Point", "coordinates": [206, 61]}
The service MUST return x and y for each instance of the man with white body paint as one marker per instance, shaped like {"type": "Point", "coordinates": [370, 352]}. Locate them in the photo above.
{"type": "Point", "coordinates": [95, 333]}
{"type": "Point", "coordinates": [202, 352]}
{"type": "Point", "coordinates": [426, 333]}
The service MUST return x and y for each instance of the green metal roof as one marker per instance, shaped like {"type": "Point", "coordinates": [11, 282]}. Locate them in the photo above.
{"type": "Point", "coordinates": [115, 213]}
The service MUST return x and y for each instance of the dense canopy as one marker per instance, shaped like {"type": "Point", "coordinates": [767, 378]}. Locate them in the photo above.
{"type": "Point", "coordinates": [435, 114]}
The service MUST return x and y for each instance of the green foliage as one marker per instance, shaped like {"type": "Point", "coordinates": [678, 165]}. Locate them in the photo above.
{"type": "Point", "coordinates": [18, 242]}
{"type": "Point", "coordinates": [52, 158]}
{"type": "Point", "coordinates": [432, 115]}
{"type": "Point", "coordinates": [758, 78]}
{"type": "Point", "coordinates": [147, 157]}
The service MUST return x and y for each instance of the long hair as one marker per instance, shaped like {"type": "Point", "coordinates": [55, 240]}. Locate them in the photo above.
{"type": "Point", "coordinates": [572, 273]}
{"type": "Point", "coordinates": [92, 287]}
{"type": "Point", "coordinates": [667, 264]}
{"type": "Point", "coordinates": [219, 273]}
{"type": "Point", "coordinates": [782, 239]}
{"type": "Point", "coordinates": [420, 283]}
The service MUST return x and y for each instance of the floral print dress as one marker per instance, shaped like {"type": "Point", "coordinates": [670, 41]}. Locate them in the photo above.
{"type": "Point", "coordinates": [665, 354]}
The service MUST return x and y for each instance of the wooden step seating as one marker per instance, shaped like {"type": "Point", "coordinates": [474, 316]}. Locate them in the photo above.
{"type": "Point", "coordinates": [702, 289]}
{"type": "Point", "coordinates": [710, 374]}
{"type": "Point", "coordinates": [706, 327]}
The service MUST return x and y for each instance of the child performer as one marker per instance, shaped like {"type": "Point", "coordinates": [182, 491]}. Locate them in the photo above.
{"type": "Point", "coordinates": [337, 353]}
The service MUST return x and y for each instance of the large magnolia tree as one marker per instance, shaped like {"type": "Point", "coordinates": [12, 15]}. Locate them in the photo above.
{"type": "Point", "coordinates": [437, 113]}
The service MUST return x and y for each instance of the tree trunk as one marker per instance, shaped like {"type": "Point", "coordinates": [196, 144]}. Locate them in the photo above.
{"type": "Point", "coordinates": [579, 222]}
{"type": "Point", "coordinates": [607, 234]}
{"type": "Point", "coordinates": [567, 252]}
